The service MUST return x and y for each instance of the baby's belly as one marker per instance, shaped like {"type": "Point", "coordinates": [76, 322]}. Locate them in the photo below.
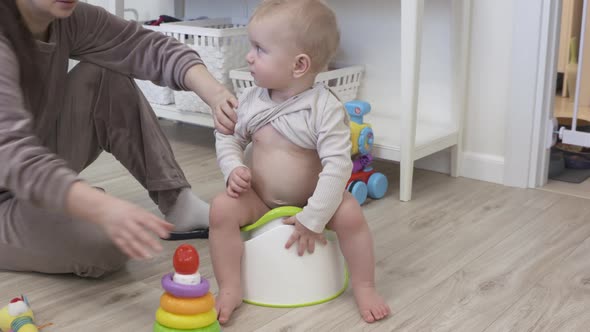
{"type": "Point", "coordinates": [282, 173]}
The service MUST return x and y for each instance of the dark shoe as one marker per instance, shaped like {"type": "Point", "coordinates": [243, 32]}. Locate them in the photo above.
{"type": "Point", "coordinates": [202, 233]}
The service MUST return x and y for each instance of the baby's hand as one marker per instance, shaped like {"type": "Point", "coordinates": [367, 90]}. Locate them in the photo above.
{"type": "Point", "coordinates": [304, 237]}
{"type": "Point", "coordinates": [238, 181]}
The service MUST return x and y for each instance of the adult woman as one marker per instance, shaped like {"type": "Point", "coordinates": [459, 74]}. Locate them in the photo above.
{"type": "Point", "coordinates": [53, 124]}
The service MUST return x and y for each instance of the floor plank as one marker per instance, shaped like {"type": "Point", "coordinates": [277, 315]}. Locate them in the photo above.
{"type": "Point", "coordinates": [463, 255]}
{"type": "Point", "coordinates": [476, 295]}
{"type": "Point", "coordinates": [559, 302]}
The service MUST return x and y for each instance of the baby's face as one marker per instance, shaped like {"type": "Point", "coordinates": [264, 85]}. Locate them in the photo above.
{"type": "Point", "coordinates": [272, 56]}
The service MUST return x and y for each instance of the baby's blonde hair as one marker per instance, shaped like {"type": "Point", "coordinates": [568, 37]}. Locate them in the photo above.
{"type": "Point", "coordinates": [314, 26]}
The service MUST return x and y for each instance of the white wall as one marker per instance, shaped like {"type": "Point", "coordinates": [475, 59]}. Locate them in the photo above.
{"type": "Point", "coordinates": [489, 85]}
{"type": "Point", "coordinates": [371, 32]}
{"type": "Point", "coordinates": [489, 76]}
{"type": "Point", "coordinates": [146, 9]}
{"type": "Point", "coordinates": [371, 37]}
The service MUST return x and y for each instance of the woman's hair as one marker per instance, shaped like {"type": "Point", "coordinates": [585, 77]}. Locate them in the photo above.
{"type": "Point", "coordinates": [14, 29]}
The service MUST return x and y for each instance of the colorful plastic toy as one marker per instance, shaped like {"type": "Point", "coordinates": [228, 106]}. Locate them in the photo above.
{"type": "Point", "coordinates": [17, 316]}
{"type": "Point", "coordinates": [364, 181]}
{"type": "Point", "coordinates": [273, 276]}
{"type": "Point", "coordinates": [187, 305]}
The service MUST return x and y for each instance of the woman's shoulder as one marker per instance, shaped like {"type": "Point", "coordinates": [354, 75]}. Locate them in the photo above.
{"type": "Point", "coordinates": [86, 17]}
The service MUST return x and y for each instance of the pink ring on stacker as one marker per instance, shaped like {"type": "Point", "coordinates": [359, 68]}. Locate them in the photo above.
{"type": "Point", "coordinates": [185, 291]}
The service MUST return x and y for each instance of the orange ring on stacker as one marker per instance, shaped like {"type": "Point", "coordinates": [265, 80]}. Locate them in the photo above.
{"type": "Point", "coordinates": [187, 306]}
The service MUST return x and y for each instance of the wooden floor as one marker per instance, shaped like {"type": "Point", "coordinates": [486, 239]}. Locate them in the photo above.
{"type": "Point", "coordinates": [463, 255]}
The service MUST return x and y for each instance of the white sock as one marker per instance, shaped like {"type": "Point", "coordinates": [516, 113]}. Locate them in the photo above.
{"type": "Point", "coordinates": [189, 212]}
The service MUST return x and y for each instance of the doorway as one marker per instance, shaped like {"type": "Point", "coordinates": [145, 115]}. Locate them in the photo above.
{"type": "Point", "coordinates": [569, 160]}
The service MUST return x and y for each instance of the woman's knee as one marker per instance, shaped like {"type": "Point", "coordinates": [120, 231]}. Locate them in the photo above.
{"type": "Point", "coordinates": [98, 83]}
{"type": "Point", "coordinates": [99, 257]}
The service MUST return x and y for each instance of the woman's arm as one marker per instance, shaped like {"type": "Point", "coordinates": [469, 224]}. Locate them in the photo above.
{"type": "Point", "coordinates": [32, 173]}
{"type": "Point", "coordinates": [222, 102]}
{"type": "Point", "coordinates": [129, 226]}
{"type": "Point", "coordinates": [27, 169]}
{"type": "Point", "coordinates": [99, 37]}
{"type": "Point", "coordinates": [124, 46]}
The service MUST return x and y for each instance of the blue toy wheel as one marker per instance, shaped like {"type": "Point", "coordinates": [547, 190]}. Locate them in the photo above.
{"type": "Point", "coordinates": [365, 140]}
{"type": "Point", "coordinates": [377, 185]}
{"type": "Point", "coordinates": [358, 189]}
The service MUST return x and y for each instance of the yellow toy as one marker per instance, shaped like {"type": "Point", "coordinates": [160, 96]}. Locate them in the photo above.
{"type": "Point", "coordinates": [17, 316]}
{"type": "Point", "coordinates": [364, 181]}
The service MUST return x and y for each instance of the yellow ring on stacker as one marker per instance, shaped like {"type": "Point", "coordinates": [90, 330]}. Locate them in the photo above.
{"type": "Point", "coordinates": [186, 306]}
{"type": "Point", "coordinates": [185, 322]}
{"type": "Point", "coordinates": [215, 327]}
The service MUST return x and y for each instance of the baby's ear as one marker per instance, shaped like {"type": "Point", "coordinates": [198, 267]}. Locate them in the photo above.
{"type": "Point", "coordinates": [302, 65]}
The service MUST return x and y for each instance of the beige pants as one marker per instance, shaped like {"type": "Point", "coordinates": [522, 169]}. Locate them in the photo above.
{"type": "Point", "coordinates": [103, 110]}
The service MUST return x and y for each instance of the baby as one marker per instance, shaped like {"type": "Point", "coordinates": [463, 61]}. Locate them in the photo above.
{"type": "Point", "coordinates": [300, 153]}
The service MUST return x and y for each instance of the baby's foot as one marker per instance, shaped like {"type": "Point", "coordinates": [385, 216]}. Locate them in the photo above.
{"type": "Point", "coordinates": [227, 301]}
{"type": "Point", "coordinates": [371, 305]}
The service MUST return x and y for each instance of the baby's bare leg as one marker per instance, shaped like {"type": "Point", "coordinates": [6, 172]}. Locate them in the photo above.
{"type": "Point", "coordinates": [226, 217]}
{"type": "Point", "coordinates": [356, 244]}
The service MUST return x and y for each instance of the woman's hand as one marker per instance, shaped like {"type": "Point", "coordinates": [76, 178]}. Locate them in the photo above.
{"type": "Point", "coordinates": [304, 237]}
{"type": "Point", "coordinates": [222, 102]}
{"type": "Point", "coordinates": [130, 227]}
{"type": "Point", "coordinates": [224, 114]}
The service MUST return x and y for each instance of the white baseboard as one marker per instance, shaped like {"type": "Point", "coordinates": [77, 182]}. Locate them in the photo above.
{"type": "Point", "coordinates": [439, 162]}
{"type": "Point", "coordinates": [484, 167]}
{"type": "Point", "coordinates": [478, 166]}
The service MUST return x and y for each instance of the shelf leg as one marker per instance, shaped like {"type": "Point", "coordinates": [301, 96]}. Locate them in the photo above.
{"type": "Point", "coordinates": [461, 33]}
{"type": "Point", "coordinates": [411, 42]}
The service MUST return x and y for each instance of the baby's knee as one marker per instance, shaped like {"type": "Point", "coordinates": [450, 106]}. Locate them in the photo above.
{"type": "Point", "coordinates": [348, 218]}
{"type": "Point", "coordinates": [218, 211]}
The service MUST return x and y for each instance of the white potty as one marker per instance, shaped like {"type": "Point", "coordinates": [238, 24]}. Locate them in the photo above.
{"type": "Point", "coordinates": [273, 276]}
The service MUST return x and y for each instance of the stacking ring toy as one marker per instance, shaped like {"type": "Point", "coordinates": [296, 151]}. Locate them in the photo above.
{"type": "Point", "coordinates": [183, 322]}
{"type": "Point", "coordinates": [185, 291]}
{"type": "Point", "coordinates": [215, 327]}
{"type": "Point", "coordinates": [185, 306]}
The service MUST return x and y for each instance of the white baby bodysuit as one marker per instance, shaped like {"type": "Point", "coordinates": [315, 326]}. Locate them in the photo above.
{"type": "Point", "coordinates": [314, 119]}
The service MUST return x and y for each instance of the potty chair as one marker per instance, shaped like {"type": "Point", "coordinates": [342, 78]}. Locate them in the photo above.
{"type": "Point", "coordinates": [273, 276]}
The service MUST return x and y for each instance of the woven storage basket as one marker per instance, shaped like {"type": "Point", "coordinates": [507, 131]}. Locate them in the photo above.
{"type": "Point", "coordinates": [221, 43]}
{"type": "Point", "coordinates": [345, 81]}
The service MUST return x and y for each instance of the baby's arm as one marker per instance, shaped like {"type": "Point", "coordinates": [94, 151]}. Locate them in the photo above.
{"type": "Point", "coordinates": [334, 151]}
{"type": "Point", "coordinates": [230, 150]}
{"type": "Point", "coordinates": [230, 153]}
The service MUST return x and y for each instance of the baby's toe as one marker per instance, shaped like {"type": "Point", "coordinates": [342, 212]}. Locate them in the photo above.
{"type": "Point", "coordinates": [367, 316]}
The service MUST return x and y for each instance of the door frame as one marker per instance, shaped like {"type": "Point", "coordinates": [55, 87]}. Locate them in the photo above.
{"type": "Point", "coordinates": [534, 70]}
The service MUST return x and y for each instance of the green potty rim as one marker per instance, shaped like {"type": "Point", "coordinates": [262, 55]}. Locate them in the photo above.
{"type": "Point", "coordinates": [280, 212]}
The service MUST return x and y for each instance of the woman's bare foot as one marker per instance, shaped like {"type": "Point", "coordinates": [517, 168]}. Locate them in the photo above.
{"type": "Point", "coordinates": [371, 305]}
{"type": "Point", "coordinates": [226, 302]}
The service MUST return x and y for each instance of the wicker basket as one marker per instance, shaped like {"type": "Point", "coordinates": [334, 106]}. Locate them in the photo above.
{"type": "Point", "coordinates": [221, 43]}
{"type": "Point", "coordinates": [156, 94]}
{"type": "Point", "coordinates": [345, 81]}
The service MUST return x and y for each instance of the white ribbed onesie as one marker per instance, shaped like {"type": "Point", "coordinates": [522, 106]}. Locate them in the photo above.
{"type": "Point", "coordinates": [314, 119]}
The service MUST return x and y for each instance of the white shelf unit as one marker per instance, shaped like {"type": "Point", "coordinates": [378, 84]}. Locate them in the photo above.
{"type": "Point", "coordinates": [403, 137]}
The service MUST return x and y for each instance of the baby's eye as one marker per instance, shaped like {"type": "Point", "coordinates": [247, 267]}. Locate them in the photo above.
{"type": "Point", "coordinates": [258, 49]}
